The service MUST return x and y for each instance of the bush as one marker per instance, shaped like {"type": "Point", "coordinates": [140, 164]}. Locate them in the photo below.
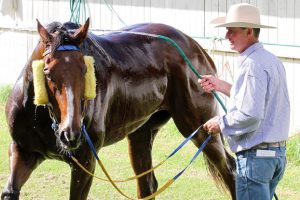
{"type": "Point", "coordinates": [293, 149]}
{"type": "Point", "coordinates": [4, 92]}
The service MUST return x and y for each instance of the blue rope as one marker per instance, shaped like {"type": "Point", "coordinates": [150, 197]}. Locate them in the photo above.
{"type": "Point", "coordinates": [89, 141]}
{"type": "Point", "coordinates": [184, 142]}
{"type": "Point", "coordinates": [194, 157]}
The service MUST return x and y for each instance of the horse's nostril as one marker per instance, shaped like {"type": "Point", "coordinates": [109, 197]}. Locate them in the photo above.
{"type": "Point", "coordinates": [70, 139]}
{"type": "Point", "coordinates": [67, 136]}
{"type": "Point", "coordinates": [64, 137]}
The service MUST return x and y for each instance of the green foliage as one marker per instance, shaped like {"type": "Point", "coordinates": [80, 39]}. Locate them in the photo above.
{"type": "Point", "coordinates": [293, 150]}
{"type": "Point", "coordinates": [4, 92]}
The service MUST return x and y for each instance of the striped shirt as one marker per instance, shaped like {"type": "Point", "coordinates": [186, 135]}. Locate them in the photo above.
{"type": "Point", "coordinates": [259, 108]}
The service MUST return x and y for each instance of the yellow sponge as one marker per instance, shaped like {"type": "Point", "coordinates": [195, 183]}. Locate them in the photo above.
{"type": "Point", "coordinates": [41, 96]}
{"type": "Point", "coordinates": [90, 78]}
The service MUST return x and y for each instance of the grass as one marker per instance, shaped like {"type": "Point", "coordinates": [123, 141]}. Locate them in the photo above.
{"type": "Point", "coordinates": [4, 92]}
{"type": "Point", "coordinates": [52, 178]}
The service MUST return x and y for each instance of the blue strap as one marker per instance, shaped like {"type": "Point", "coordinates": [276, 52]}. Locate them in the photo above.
{"type": "Point", "coordinates": [89, 141]}
{"type": "Point", "coordinates": [68, 47]}
{"type": "Point", "coordinates": [184, 142]}
{"type": "Point", "coordinates": [171, 154]}
{"type": "Point", "coordinates": [194, 157]}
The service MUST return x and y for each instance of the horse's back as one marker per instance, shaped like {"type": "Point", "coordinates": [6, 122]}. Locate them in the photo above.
{"type": "Point", "coordinates": [153, 28]}
{"type": "Point", "coordinates": [141, 44]}
{"type": "Point", "coordinates": [182, 86]}
{"type": "Point", "coordinates": [158, 77]}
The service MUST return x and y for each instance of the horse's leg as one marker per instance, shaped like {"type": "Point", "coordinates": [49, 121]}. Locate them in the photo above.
{"type": "Point", "coordinates": [80, 181]}
{"type": "Point", "coordinates": [21, 166]}
{"type": "Point", "coordinates": [140, 147]}
{"type": "Point", "coordinates": [220, 163]}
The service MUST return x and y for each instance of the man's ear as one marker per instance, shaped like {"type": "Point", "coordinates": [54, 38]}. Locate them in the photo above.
{"type": "Point", "coordinates": [250, 31]}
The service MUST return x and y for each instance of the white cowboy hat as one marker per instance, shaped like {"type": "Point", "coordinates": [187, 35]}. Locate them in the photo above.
{"type": "Point", "coordinates": [241, 15]}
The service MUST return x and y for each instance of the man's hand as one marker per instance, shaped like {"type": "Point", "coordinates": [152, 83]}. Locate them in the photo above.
{"type": "Point", "coordinates": [212, 125]}
{"type": "Point", "coordinates": [210, 83]}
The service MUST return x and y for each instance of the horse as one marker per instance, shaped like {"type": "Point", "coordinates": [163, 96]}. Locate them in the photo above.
{"type": "Point", "coordinates": [141, 83]}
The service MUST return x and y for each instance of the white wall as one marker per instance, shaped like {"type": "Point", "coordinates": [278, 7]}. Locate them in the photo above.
{"type": "Point", "coordinates": [18, 34]}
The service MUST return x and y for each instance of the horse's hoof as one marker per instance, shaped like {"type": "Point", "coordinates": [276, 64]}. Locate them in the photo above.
{"type": "Point", "coordinates": [10, 195]}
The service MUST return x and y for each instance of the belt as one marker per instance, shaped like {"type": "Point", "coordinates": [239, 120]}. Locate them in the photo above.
{"type": "Point", "coordinates": [267, 145]}
{"type": "Point", "coordinates": [263, 145]}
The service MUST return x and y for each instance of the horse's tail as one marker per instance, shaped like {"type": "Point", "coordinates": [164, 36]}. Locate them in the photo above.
{"type": "Point", "coordinates": [223, 185]}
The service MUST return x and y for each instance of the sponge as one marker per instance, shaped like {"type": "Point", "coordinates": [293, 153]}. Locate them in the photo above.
{"type": "Point", "coordinates": [41, 96]}
{"type": "Point", "coordinates": [90, 78]}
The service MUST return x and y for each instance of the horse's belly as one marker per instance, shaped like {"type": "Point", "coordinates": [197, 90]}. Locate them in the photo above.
{"type": "Point", "coordinates": [116, 134]}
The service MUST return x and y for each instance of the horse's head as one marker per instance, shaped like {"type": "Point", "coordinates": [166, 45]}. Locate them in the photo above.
{"type": "Point", "coordinates": [64, 70]}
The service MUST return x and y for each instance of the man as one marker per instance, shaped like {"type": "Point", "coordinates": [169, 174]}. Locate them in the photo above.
{"type": "Point", "coordinates": [257, 123]}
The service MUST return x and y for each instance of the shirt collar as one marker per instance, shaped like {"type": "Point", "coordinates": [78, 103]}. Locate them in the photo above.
{"type": "Point", "coordinates": [248, 51]}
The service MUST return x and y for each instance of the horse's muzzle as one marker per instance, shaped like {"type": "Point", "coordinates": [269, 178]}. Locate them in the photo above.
{"type": "Point", "coordinates": [70, 140]}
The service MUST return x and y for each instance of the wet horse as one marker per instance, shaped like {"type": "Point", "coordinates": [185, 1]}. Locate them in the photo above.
{"type": "Point", "coordinates": [142, 82]}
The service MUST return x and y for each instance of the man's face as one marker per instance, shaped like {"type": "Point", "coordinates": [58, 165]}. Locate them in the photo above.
{"type": "Point", "coordinates": [238, 38]}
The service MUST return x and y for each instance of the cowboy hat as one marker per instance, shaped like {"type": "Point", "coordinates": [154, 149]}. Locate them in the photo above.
{"type": "Point", "coordinates": [241, 15]}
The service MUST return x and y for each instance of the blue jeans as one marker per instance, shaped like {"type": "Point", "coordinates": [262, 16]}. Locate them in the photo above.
{"type": "Point", "coordinates": [257, 177]}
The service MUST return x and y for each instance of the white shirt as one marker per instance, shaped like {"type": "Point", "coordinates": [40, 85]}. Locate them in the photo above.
{"type": "Point", "coordinates": [259, 109]}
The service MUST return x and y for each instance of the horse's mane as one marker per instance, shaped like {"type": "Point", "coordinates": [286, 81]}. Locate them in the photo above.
{"type": "Point", "coordinates": [64, 32]}
{"type": "Point", "coordinates": [54, 26]}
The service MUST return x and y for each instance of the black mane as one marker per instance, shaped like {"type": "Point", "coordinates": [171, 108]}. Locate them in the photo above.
{"type": "Point", "coordinates": [63, 34]}
{"type": "Point", "coordinates": [56, 26]}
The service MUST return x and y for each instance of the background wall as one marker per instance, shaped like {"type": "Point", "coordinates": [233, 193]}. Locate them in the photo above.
{"type": "Point", "coordinates": [18, 34]}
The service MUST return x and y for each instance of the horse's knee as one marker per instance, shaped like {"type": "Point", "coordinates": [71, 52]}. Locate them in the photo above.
{"type": "Point", "coordinates": [10, 195]}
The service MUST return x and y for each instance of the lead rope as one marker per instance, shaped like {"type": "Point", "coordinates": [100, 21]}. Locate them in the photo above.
{"type": "Point", "coordinates": [143, 173]}
{"type": "Point", "coordinates": [164, 187]}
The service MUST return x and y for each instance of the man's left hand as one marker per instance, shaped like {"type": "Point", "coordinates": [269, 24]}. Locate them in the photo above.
{"type": "Point", "coordinates": [212, 125]}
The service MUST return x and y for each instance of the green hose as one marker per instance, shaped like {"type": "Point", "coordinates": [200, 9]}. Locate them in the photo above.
{"type": "Point", "coordinates": [172, 42]}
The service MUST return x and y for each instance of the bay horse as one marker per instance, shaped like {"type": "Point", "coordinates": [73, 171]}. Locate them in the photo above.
{"type": "Point", "coordinates": [141, 82]}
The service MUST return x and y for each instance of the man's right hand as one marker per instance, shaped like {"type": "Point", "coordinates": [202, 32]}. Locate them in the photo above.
{"type": "Point", "coordinates": [210, 83]}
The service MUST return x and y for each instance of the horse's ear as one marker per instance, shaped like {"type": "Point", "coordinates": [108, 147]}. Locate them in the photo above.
{"type": "Point", "coordinates": [81, 33]}
{"type": "Point", "coordinates": [46, 37]}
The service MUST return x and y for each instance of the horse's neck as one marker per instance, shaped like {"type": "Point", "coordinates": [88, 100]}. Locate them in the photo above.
{"type": "Point", "coordinates": [24, 83]}
{"type": "Point", "coordinates": [97, 47]}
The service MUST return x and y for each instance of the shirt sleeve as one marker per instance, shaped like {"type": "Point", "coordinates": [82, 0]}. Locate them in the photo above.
{"type": "Point", "coordinates": [237, 123]}
{"type": "Point", "coordinates": [249, 103]}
